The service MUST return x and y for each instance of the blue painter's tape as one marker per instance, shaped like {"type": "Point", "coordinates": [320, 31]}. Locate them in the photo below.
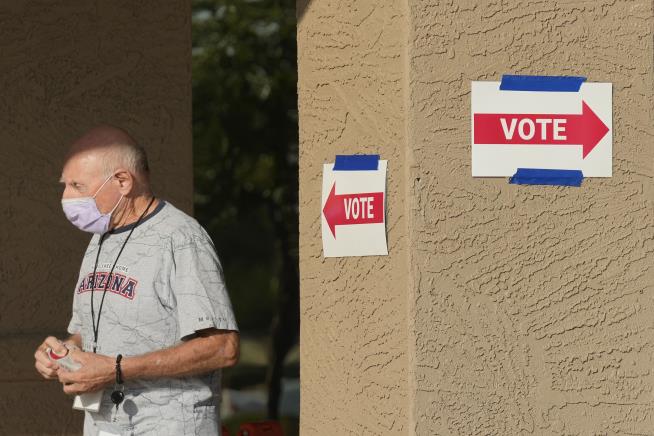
{"type": "Point", "coordinates": [533, 176]}
{"type": "Point", "coordinates": [512, 82]}
{"type": "Point", "coordinates": [356, 162]}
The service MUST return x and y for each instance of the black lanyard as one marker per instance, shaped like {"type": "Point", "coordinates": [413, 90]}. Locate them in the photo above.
{"type": "Point", "coordinates": [96, 328]}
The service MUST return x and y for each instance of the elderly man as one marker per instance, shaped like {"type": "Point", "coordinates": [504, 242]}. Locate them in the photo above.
{"type": "Point", "coordinates": [151, 322]}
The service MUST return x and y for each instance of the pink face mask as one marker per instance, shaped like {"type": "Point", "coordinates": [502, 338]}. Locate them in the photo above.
{"type": "Point", "coordinates": [83, 212]}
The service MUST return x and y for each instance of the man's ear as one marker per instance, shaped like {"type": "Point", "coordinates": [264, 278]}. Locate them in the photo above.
{"type": "Point", "coordinates": [125, 181]}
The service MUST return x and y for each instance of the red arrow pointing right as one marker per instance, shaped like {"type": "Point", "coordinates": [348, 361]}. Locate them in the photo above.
{"type": "Point", "coordinates": [585, 129]}
{"type": "Point", "coordinates": [350, 209]}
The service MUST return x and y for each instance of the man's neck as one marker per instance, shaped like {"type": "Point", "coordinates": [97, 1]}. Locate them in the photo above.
{"type": "Point", "coordinates": [132, 210]}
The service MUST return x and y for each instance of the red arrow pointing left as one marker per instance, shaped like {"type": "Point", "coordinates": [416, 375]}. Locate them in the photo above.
{"type": "Point", "coordinates": [350, 209]}
{"type": "Point", "coordinates": [585, 129]}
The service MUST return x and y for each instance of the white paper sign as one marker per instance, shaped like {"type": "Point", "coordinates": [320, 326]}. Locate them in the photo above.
{"type": "Point", "coordinates": [535, 129]}
{"type": "Point", "coordinates": [354, 212]}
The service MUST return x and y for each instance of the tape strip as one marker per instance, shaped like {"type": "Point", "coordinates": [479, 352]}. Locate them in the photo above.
{"type": "Point", "coordinates": [512, 82]}
{"type": "Point", "coordinates": [356, 162]}
{"type": "Point", "coordinates": [534, 176]}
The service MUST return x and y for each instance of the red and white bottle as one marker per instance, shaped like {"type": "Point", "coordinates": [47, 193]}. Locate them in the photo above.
{"type": "Point", "coordinates": [65, 361]}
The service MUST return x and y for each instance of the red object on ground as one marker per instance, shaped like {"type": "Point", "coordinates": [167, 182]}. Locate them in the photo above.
{"type": "Point", "coordinates": [225, 432]}
{"type": "Point", "coordinates": [265, 428]}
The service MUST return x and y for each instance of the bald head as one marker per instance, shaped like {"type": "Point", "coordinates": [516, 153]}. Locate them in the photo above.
{"type": "Point", "coordinates": [112, 148]}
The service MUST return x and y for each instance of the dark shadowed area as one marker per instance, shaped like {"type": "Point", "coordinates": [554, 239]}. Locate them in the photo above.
{"type": "Point", "coordinates": [245, 164]}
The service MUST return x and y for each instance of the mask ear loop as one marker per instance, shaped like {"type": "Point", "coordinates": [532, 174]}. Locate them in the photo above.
{"type": "Point", "coordinates": [116, 206]}
{"type": "Point", "coordinates": [102, 186]}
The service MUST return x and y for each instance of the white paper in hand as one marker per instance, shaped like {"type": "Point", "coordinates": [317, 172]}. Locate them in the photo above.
{"type": "Point", "coordinates": [89, 401]}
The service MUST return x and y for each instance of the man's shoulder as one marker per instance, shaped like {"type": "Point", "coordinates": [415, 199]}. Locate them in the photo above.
{"type": "Point", "coordinates": [179, 226]}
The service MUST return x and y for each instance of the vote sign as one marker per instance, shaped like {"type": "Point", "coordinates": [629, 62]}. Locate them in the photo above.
{"type": "Point", "coordinates": [541, 129]}
{"type": "Point", "coordinates": [354, 211]}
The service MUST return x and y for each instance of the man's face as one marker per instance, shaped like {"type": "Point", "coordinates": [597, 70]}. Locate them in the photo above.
{"type": "Point", "coordinates": [82, 177]}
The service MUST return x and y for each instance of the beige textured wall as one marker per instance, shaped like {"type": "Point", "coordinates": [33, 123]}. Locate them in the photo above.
{"type": "Point", "coordinates": [354, 314]}
{"type": "Point", "coordinates": [533, 305]}
{"type": "Point", "coordinates": [529, 310]}
{"type": "Point", "coordinates": [65, 66]}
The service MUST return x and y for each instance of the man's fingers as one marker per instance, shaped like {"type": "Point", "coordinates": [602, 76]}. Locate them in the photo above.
{"type": "Point", "coordinates": [48, 373]}
{"type": "Point", "coordinates": [41, 356]}
{"type": "Point", "coordinates": [73, 389]}
{"type": "Point", "coordinates": [69, 389]}
{"type": "Point", "coordinates": [64, 376]}
{"type": "Point", "coordinates": [56, 345]}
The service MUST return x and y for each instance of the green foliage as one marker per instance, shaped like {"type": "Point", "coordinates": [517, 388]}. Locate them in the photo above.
{"type": "Point", "coordinates": [245, 143]}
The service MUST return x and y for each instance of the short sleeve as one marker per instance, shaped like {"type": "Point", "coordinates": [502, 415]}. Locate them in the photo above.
{"type": "Point", "coordinates": [75, 324]}
{"type": "Point", "coordinates": [198, 287]}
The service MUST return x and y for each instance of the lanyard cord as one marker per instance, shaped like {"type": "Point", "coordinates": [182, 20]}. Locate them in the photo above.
{"type": "Point", "coordinates": [96, 328]}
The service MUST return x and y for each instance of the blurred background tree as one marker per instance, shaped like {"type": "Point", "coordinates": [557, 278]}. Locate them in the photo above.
{"type": "Point", "coordinates": [245, 136]}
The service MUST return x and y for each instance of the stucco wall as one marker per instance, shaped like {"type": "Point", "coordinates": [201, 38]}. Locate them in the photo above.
{"type": "Point", "coordinates": [354, 365]}
{"type": "Point", "coordinates": [529, 309]}
{"type": "Point", "coordinates": [533, 305]}
{"type": "Point", "coordinates": [66, 66]}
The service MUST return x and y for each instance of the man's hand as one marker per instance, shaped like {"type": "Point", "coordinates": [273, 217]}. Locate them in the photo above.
{"type": "Point", "coordinates": [97, 372]}
{"type": "Point", "coordinates": [43, 364]}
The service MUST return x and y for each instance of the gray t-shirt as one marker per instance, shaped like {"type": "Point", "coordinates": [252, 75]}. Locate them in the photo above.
{"type": "Point", "coordinates": [167, 284]}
